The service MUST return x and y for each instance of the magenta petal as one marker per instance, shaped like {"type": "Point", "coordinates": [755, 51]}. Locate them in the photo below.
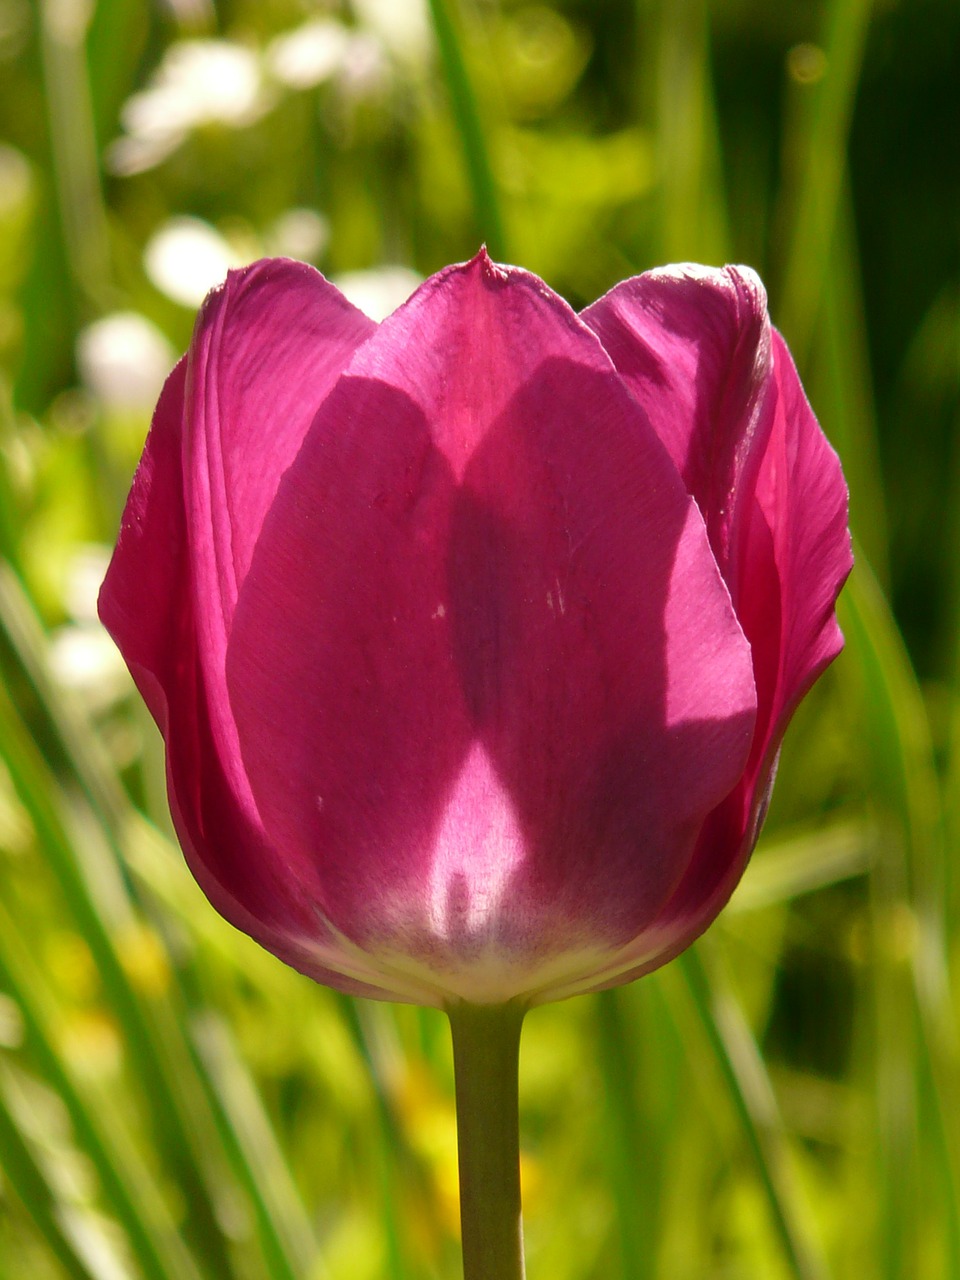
{"type": "Point", "coordinates": [484, 669]}
{"type": "Point", "coordinates": [147, 586]}
{"type": "Point", "coordinates": [693, 346]}
{"type": "Point", "coordinates": [697, 351]}
{"type": "Point", "coordinates": [797, 556]}
{"type": "Point", "coordinates": [267, 348]}
{"type": "Point", "coordinates": [146, 605]}
{"type": "Point", "coordinates": [237, 867]}
{"type": "Point", "coordinates": [802, 498]}
{"type": "Point", "coordinates": [150, 599]}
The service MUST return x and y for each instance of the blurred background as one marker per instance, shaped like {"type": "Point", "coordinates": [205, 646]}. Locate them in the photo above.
{"type": "Point", "coordinates": [784, 1100]}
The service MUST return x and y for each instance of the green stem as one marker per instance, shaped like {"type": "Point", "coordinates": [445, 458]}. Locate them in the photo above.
{"type": "Point", "coordinates": [486, 1058]}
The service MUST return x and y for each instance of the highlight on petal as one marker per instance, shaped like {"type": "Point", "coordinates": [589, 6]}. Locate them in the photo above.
{"type": "Point", "coordinates": [478, 846]}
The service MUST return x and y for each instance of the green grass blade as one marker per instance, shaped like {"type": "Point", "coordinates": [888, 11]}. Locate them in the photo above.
{"type": "Point", "coordinates": [285, 1244]}
{"type": "Point", "coordinates": [289, 1245]}
{"type": "Point", "coordinates": [9, 523]}
{"type": "Point", "coordinates": [752, 1096]}
{"type": "Point", "coordinates": [486, 204]}
{"type": "Point", "coordinates": [913, 1000]}
{"type": "Point", "coordinates": [175, 1129]}
{"type": "Point", "coordinates": [79, 744]}
{"type": "Point", "coordinates": [791, 866]}
{"type": "Point", "coordinates": [63, 29]}
{"type": "Point", "coordinates": [821, 163]}
{"type": "Point", "coordinates": [840, 387]}
{"type": "Point", "coordinates": [692, 215]}
{"type": "Point", "coordinates": [366, 1024]}
{"type": "Point", "coordinates": [35, 1192]}
{"type": "Point", "coordinates": [130, 1191]}
{"type": "Point", "coordinates": [625, 1138]}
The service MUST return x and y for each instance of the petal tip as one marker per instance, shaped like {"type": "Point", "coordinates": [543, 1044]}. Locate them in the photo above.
{"type": "Point", "coordinates": [489, 272]}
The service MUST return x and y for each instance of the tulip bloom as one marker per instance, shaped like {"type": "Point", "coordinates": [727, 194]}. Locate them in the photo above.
{"type": "Point", "coordinates": [473, 635]}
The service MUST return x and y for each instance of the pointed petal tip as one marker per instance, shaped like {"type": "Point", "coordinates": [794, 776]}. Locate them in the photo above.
{"type": "Point", "coordinates": [490, 272]}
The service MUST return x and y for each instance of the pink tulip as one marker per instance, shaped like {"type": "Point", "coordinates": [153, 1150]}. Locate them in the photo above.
{"type": "Point", "coordinates": [473, 635]}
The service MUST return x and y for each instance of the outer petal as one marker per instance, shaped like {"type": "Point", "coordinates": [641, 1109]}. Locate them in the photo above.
{"type": "Point", "coordinates": [151, 599]}
{"type": "Point", "coordinates": [696, 349]}
{"type": "Point", "coordinates": [267, 348]}
{"type": "Point", "coordinates": [802, 497]}
{"type": "Point", "coordinates": [142, 598]}
{"type": "Point", "coordinates": [484, 669]}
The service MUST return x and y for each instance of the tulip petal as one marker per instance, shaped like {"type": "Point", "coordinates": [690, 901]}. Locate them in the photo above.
{"type": "Point", "coordinates": [149, 603]}
{"type": "Point", "coordinates": [693, 345]}
{"type": "Point", "coordinates": [697, 351]}
{"type": "Point", "coordinates": [485, 671]}
{"type": "Point", "coordinates": [149, 566]}
{"type": "Point", "coordinates": [145, 603]}
{"type": "Point", "coordinates": [267, 348]}
{"type": "Point", "coordinates": [803, 498]}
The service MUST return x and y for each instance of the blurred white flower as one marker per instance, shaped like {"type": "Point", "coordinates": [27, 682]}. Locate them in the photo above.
{"type": "Point", "coordinates": [378, 291]}
{"type": "Point", "coordinates": [198, 82]}
{"type": "Point", "coordinates": [309, 54]}
{"type": "Point", "coordinates": [403, 27]}
{"type": "Point", "coordinates": [85, 660]}
{"type": "Point", "coordinates": [298, 233]}
{"type": "Point", "coordinates": [82, 655]}
{"type": "Point", "coordinates": [85, 572]}
{"type": "Point", "coordinates": [324, 49]}
{"type": "Point", "coordinates": [123, 359]}
{"type": "Point", "coordinates": [193, 14]}
{"type": "Point", "coordinates": [187, 258]}
{"type": "Point", "coordinates": [365, 71]}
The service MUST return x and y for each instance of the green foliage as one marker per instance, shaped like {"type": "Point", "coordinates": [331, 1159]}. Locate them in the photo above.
{"type": "Point", "coordinates": [782, 1102]}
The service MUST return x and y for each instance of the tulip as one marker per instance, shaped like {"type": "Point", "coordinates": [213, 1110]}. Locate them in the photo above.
{"type": "Point", "coordinates": [473, 635]}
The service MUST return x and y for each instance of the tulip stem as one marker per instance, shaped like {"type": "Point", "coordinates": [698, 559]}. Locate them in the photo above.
{"type": "Point", "coordinates": [486, 1060]}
